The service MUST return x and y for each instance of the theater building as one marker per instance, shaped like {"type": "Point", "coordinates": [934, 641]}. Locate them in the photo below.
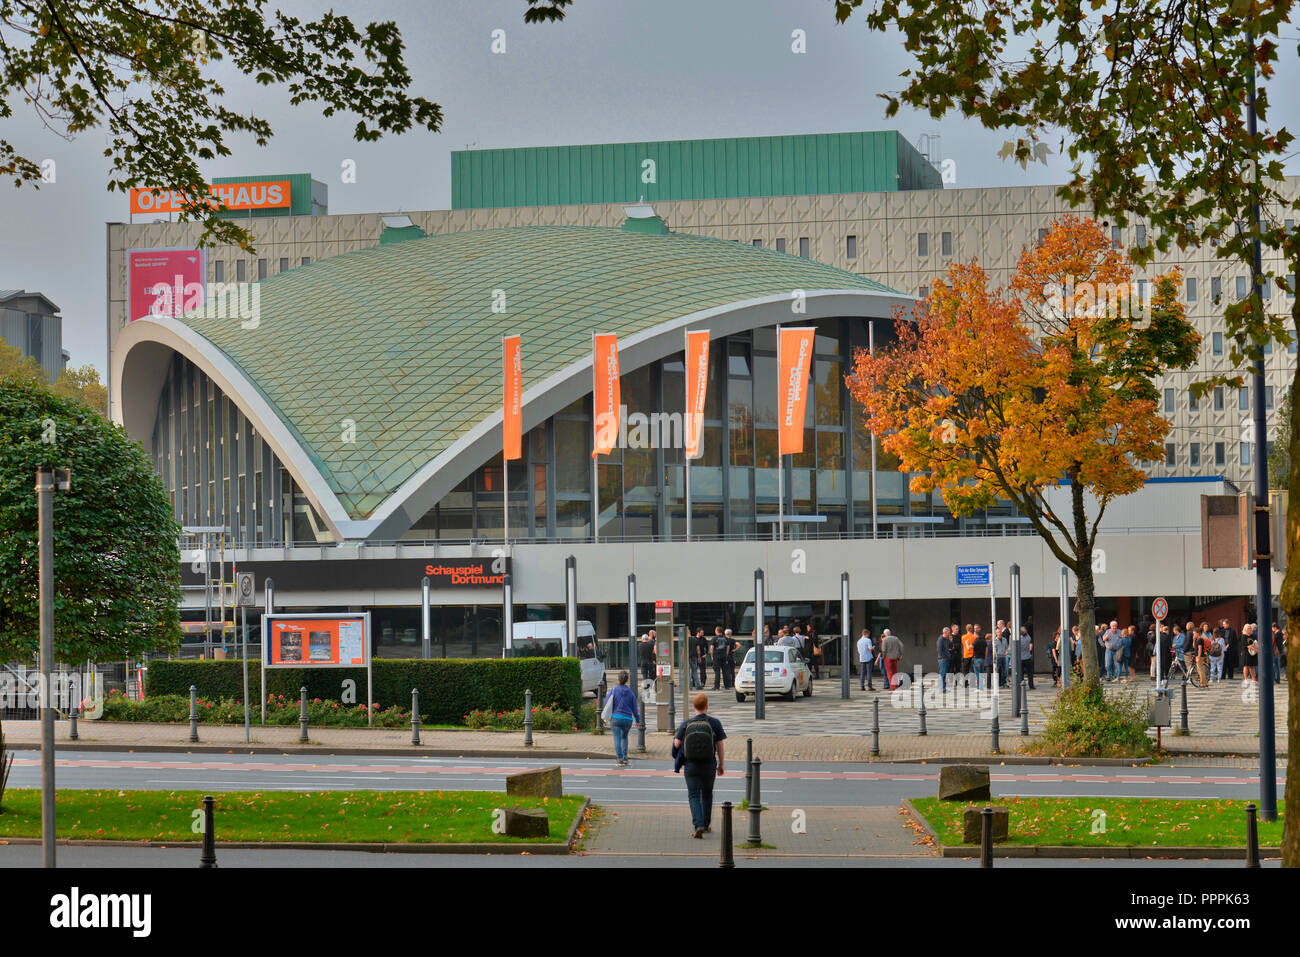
{"type": "Point", "coordinates": [343, 426]}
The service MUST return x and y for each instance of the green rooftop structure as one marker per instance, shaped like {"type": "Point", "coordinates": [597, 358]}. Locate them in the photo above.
{"type": "Point", "coordinates": [373, 371]}
{"type": "Point", "coordinates": [821, 163]}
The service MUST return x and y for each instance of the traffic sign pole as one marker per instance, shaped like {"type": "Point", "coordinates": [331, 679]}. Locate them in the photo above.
{"type": "Point", "coordinates": [1159, 611]}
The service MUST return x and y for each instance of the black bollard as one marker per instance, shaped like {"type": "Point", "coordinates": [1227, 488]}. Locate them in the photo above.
{"type": "Point", "coordinates": [921, 685]}
{"type": "Point", "coordinates": [996, 748]}
{"type": "Point", "coordinates": [1183, 729]}
{"type": "Point", "coordinates": [415, 716]}
{"type": "Point", "coordinates": [208, 856]}
{"type": "Point", "coordinates": [1252, 837]}
{"type": "Point", "coordinates": [986, 837]}
{"type": "Point", "coordinates": [755, 836]}
{"type": "Point", "coordinates": [528, 718]}
{"type": "Point", "coordinates": [302, 714]}
{"type": "Point", "coordinates": [1024, 707]}
{"type": "Point", "coordinates": [726, 859]}
{"type": "Point", "coordinates": [72, 719]}
{"type": "Point", "coordinates": [672, 705]}
{"type": "Point", "coordinates": [749, 770]}
{"type": "Point", "coordinates": [601, 692]}
{"type": "Point", "coordinates": [875, 727]}
{"type": "Point", "coordinates": [194, 713]}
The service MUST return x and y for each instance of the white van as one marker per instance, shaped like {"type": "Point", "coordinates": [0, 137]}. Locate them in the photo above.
{"type": "Point", "coordinates": [545, 639]}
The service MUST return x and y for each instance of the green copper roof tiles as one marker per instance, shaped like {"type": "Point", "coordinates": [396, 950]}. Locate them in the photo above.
{"type": "Point", "coordinates": [401, 339]}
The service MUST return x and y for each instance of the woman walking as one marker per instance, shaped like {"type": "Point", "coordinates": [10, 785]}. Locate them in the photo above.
{"type": "Point", "coordinates": [1056, 658]}
{"type": "Point", "coordinates": [622, 707]}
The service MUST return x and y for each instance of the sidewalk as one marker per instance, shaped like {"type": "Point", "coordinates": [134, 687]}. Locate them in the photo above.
{"type": "Point", "coordinates": [825, 748]}
{"type": "Point", "coordinates": [653, 830]}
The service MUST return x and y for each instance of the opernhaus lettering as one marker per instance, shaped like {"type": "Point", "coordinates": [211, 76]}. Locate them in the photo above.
{"type": "Point", "coordinates": [75, 909]}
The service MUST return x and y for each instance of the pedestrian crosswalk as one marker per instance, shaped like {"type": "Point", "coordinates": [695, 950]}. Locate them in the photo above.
{"type": "Point", "coordinates": [1226, 708]}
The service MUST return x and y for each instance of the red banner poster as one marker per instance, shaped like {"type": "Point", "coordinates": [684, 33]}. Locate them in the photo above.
{"type": "Point", "coordinates": [794, 352]}
{"type": "Point", "coordinates": [513, 401]}
{"type": "Point", "coordinates": [697, 388]}
{"type": "Point", "coordinates": [164, 282]}
{"type": "Point", "coordinates": [605, 394]}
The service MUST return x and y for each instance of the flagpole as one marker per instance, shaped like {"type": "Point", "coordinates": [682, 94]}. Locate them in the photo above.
{"type": "Point", "coordinates": [595, 455]}
{"type": "Point", "coordinates": [690, 426]}
{"type": "Point", "coordinates": [871, 347]}
{"type": "Point", "coordinates": [780, 457]}
{"type": "Point", "coordinates": [505, 501]}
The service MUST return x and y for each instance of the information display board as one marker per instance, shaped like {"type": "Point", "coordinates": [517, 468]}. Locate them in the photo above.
{"type": "Point", "coordinates": [317, 641]}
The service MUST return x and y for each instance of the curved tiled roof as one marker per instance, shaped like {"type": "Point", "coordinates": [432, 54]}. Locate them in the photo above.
{"type": "Point", "coordinates": [401, 339]}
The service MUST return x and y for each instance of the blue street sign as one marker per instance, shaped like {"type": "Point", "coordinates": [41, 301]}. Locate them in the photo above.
{"type": "Point", "coordinates": [973, 575]}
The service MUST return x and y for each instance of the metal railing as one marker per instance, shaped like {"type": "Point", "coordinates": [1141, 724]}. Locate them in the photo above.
{"type": "Point", "coordinates": [898, 531]}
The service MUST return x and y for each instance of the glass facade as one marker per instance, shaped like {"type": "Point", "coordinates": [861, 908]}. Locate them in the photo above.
{"type": "Point", "coordinates": [218, 471]}
{"type": "Point", "coordinates": [734, 484]}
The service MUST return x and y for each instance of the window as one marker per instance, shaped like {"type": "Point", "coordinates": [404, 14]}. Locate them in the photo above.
{"type": "Point", "coordinates": [945, 244]}
{"type": "Point", "coordinates": [1268, 348]}
{"type": "Point", "coordinates": [1141, 236]}
{"type": "Point", "coordinates": [1042, 234]}
{"type": "Point", "coordinates": [1194, 455]}
{"type": "Point", "coordinates": [1290, 348]}
{"type": "Point", "coordinates": [1191, 401]}
{"type": "Point", "coordinates": [1243, 399]}
{"type": "Point", "coordinates": [219, 271]}
{"type": "Point", "coordinates": [923, 244]}
{"type": "Point", "coordinates": [241, 270]}
{"type": "Point", "coordinates": [1216, 290]}
{"type": "Point", "coordinates": [1245, 453]}
{"type": "Point", "coordinates": [1268, 397]}
{"type": "Point", "coordinates": [306, 260]}
{"type": "Point", "coordinates": [1218, 454]}
{"type": "Point", "coordinates": [1170, 458]}
{"type": "Point", "coordinates": [1241, 288]}
{"type": "Point", "coordinates": [924, 292]}
{"type": "Point", "coordinates": [851, 247]}
{"type": "Point", "coordinates": [1191, 289]}
{"type": "Point", "coordinates": [758, 244]}
{"type": "Point", "coordinates": [1289, 226]}
{"type": "Point", "coordinates": [1218, 398]}
{"type": "Point", "coordinates": [803, 246]}
{"type": "Point", "coordinates": [1169, 400]}
{"type": "Point", "coordinates": [1117, 237]}
{"type": "Point", "coordinates": [1290, 285]}
{"type": "Point", "coordinates": [1216, 344]}
{"type": "Point", "coordinates": [284, 264]}
{"type": "Point", "coordinates": [1143, 301]}
{"type": "Point", "coordinates": [261, 269]}
{"type": "Point", "coordinates": [780, 245]}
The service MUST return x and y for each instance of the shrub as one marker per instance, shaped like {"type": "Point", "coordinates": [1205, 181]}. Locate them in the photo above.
{"type": "Point", "coordinates": [544, 719]}
{"type": "Point", "coordinates": [450, 688]}
{"type": "Point", "coordinates": [1087, 723]}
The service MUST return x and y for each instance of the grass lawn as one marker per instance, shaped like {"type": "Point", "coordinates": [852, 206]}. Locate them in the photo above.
{"type": "Point", "coordinates": [344, 817]}
{"type": "Point", "coordinates": [1129, 822]}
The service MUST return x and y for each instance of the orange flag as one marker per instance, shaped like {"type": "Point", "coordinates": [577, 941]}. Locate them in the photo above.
{"type": "Point", "coordinates": [605, 395]}
{"type": "Point", "coordinates": [697, 387]}
{"type": "Point", "coordinates": [513, 402]}
{"type": "Point", "coordinates": [794, 350]}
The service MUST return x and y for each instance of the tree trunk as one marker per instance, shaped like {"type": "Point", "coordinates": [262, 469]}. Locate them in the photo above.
{"type": "Point", "coordinates": [1290, 599]}
{"type": "Point", "coordinates": [1086, 605]}
{"type": "Point", "coordinates": [1085, 593]}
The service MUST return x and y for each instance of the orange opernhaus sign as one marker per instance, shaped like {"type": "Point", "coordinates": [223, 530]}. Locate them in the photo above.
{"type": "Point", "coordinates": [233, 196]}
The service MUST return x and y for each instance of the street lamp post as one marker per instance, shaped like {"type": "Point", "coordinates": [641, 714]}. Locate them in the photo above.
{"type": "Point", "coordinates": [48, 480]}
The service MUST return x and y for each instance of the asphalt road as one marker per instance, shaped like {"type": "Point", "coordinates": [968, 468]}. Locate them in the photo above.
{"type": "Point", "coordinates": [646, 782]}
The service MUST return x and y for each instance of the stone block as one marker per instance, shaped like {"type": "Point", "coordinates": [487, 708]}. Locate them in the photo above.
{"type": "Point", "coordinates": [542, 783]}
{"type": "Point", "coordinates": [971, 825]}
{"type": "Point", "coordinates": [964, 782]}
{"type": "Point", "coordinates": [527, 822]}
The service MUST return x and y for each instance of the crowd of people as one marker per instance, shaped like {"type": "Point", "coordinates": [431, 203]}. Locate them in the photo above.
{"type": "Point", "coordinates": [721, 652]}
{"type": "Point", "coordinates": [1205, 653]}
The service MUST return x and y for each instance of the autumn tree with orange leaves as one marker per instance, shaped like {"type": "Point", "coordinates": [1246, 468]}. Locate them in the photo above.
{"type": "Point", "coordinates": [1004, 394]}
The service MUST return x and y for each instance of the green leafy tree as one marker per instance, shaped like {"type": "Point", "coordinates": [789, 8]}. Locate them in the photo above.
{"type": "Point", "coordinates": [1279, 460]}
{"type": "Point", "coordinates": [116, 567]}
{"type": "Point", "coordinates": [144, 72]}
{"type": "Point", "coordinates": [16, 367]}
{"type": "Point", "coordinates": [82, 384]}
{"type": "Point", "coordinates": [1149, 101]}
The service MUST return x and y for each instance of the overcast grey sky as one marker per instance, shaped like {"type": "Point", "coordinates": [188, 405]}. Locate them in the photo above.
{"type": "Point", "coordinates": [612, 71]}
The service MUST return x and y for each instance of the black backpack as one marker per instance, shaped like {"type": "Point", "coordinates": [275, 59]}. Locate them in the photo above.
{"type": "Point", "coordinates": [698, 743]}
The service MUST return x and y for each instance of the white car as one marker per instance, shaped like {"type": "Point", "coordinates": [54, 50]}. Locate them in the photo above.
{"type": "Point", "coordinates": [785, 672]}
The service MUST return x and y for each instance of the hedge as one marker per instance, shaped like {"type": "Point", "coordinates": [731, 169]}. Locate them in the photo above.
{"type": "Point", "coordinates": [450, 688]}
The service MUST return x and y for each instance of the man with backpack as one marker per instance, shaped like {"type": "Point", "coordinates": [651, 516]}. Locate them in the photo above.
{"type": "Point", "coordinates": [698, 754]}
{"type": "Point", "coordinates": [1216, 656]}
{"type": "Point", "coordinates": [719, 648]}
